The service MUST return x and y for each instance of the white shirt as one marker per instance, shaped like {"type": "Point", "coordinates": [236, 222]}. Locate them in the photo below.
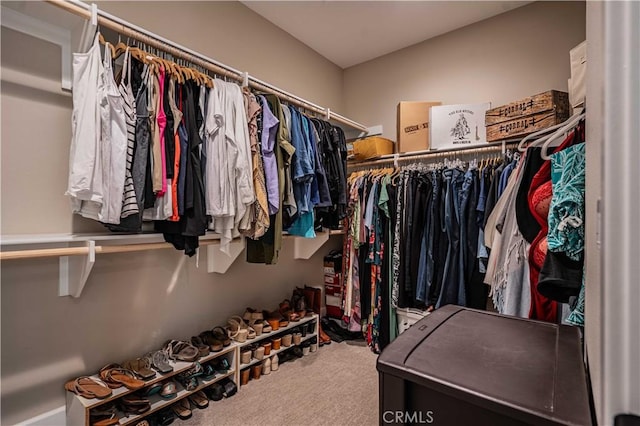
{"type": "Point", "coordinates": [85, 157]}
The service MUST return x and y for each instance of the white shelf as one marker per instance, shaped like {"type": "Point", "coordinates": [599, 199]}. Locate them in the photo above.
{"type": "Point", "coordinates": [279, 332]}
{"type": "Point", "coordinates": [178, 367]}
{"type": "Point", "coordinates": [290, 326]}
{"type": "Point", "coordinates": [273, 352]}
{"type": "Point", "coordinates": [158, 403]}
{"type": "Point", "coordinates": [79, 408]}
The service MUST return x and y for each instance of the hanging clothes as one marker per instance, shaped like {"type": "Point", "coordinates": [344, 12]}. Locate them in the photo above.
{"type": "Point", "coordinates": [260, 209]}
{"type": "Point", "coordinates": [85, 186]}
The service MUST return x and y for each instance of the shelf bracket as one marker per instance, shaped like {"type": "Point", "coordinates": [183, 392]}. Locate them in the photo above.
{"type": "Point", "coordinates": [218, 261]}
{"type": "Point", "coordinates": [304, 248]}
{"type": "Point", "coordinates": [75, 271]}
{"type": "Point", "coordinates": [45, 31]}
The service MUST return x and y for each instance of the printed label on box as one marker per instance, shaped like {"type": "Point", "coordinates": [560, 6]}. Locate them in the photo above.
{"type": "Point", "coordinates": [454, 126]}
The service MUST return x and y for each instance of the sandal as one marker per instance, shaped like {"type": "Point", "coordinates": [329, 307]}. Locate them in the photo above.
{"type": "Point", "coordinates": [222, 335]}
{"type": "Point", "coordinates": [109, 421]}
{"type": "Point", "coordinates": [209, 339]}
{"type": "Point", "coordinates": [115, 376]}
{"type": "Point", "coordinates": [252, 315]}
{"type": "Point", "coordinates": [181, 351]}
{"type": "Point", "coordinates": [182, 409]}
{"type": "Point", "coordinates": [160, 361]}
{"type": "Point", "coordinates": [238, 329]}
{"type": "Point", "coordinates": [169, 390]}
{"type": "Point", "coordinates": [199, 399]}
{"type": "Point", "coordinates": [89, 388]}
{"type": "Point", "coordinates": [203, 349]}
{"type": "Point", "coordinates": [140, 367]}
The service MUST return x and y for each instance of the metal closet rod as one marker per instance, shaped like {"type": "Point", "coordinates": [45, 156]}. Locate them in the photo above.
{"type": "Point", "coordinates": [393, 158]}
{"type": "Point", "coordinates": [128, 29]}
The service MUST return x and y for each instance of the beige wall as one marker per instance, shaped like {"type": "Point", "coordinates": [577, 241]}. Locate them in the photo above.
{"type": "Point", "coordinates": [132, 303]}
{"type": "Point", "coordinates": [232, 34]}
{"type": "Point", "coordinates": [501, 59]}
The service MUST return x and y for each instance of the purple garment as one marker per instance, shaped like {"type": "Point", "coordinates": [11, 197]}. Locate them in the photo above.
{"type": "Point", "coordinates": [268, 141]}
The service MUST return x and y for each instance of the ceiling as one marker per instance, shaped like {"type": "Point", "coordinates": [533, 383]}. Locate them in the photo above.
{"type": "Point", "coordinates": [351, 32]}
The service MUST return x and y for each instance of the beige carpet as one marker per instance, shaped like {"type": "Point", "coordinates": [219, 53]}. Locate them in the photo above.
{"type": "Point", "coordinates": [337, 385]}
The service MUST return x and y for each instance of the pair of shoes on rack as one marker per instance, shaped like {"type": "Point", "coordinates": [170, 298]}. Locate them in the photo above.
{"type": "Point", "coordinates": [141, 367]}
{"type": "Point", "coordinates": [215, 392]}
{"type": "Point", "coordinates": [199, 399]}
{"type": "Point", "coordinates": [104, 415]}
{"type": "Point", "coordinates": [169, 390]}
{"type": "Point", "coordinates": [134, 404]}
{"type": "Point", "coordinates": [182, 408]}
{"type": "Point", "coordinates": [115, 376]}
{"type": "Point", "coordinates": [89, 387]}
{"type": "Point", "coordinates": [159, 361]}
{"type": "Point", "coordinates": [163, 417]}
{"type": "Point", "coordinates": [179, 350]}
{"type": "Point", "coordinates": [189, 378]}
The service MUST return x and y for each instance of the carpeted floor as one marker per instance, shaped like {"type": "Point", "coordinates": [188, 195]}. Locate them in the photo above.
{"type": "Point", "coordinates": [337, 385]}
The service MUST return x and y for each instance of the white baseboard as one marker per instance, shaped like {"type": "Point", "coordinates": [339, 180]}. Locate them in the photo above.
{"type": "Point", "coordinates": [55, 417]}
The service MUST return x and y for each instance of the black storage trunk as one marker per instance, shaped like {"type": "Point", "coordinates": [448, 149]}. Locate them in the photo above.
{"type": "Point", "coordinates": [460, 366]}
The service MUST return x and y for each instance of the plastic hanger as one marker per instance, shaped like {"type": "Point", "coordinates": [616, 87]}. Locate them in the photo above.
{"type": "Point", "coordinates": [560, 134]}
{"type": "Point", "coordinates": [523, 148]}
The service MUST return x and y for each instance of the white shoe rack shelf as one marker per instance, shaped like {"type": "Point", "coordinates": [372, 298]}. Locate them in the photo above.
{"type": "Point", "coordinates": [78, 408]}
{"type": "Point", "coordinates": [288, 329]}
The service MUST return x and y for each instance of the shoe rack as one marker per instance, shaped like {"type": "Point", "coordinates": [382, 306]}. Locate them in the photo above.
{"type": "Point", "coordinates": [266, 337]}
{"type": "Point", "coordinates": [78, 409]}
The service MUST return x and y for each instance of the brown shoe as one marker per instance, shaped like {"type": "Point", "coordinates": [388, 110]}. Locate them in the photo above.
{"type": "Point", "coordinates": [323, 337]}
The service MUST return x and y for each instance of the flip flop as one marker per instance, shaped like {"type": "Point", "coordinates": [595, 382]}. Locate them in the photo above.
{"type": "Point", "coordinates": [120, 376]}
{"type": "Point", "coordinates": [89, 388]}
{"type": "Point", "coordinates": [106, 422]}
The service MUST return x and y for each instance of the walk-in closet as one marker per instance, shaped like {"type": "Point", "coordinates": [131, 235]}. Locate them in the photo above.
{"type": "Point", "coordinates": [331, 213]}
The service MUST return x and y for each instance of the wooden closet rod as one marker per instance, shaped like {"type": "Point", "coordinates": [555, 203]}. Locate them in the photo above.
{"type": "Point", "coordinates": [77, 251]}
{"type": "Point", "coordinates": [130, 30]}
{"type": "Point", "coordinates": [392, 158]}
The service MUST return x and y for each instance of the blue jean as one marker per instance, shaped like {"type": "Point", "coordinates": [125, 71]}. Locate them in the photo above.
{"type": "Point", "coordinates": [427, 264]}
{"type": "Point", "coordinates": [453, 279]}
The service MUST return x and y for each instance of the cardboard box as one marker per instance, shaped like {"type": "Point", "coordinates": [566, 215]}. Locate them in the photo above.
{"type": "Point", "coordinates": [413, 126]}
{"type": "Point", "coordinates": [371, 147]}
{"type": "Point", "coordinates": [457, 126]}
{"type": "Point", "coordinates": [542, 102]}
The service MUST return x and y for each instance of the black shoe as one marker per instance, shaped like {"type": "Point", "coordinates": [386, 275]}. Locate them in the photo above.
{"type": "Point", "coordinates": [229, 388]}
{"type": "Point", "coordinates": [215, 392]}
